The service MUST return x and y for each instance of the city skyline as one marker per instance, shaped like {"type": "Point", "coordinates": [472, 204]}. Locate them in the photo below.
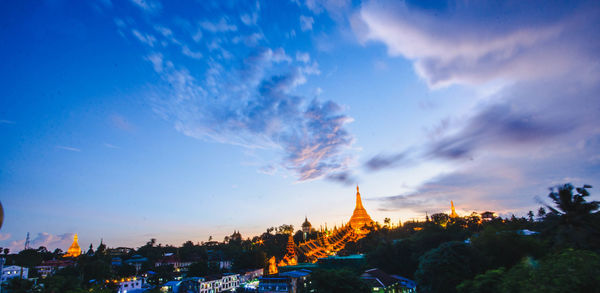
{"type": "Point", "coordinates": [131, 120]}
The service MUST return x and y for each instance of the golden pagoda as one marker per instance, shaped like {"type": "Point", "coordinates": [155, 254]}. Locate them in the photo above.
{"type": "Point", "coordinates": [74, 250]}
{"type": "Point", "coordinates": [290, 258]}
{"type": "Point", "coordinates": [453, 214]}
{"type": "Point", "coordinates": [360, 218]}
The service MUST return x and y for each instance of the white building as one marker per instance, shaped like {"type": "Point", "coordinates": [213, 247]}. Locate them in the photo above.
{"type": "Point", "coordinates": [11, 272]}
{"type": "Point", "coordinates": [131, 286]}
{"type": "Point", "coordinates": [210, 284]}
{"type": "Point", "coordinates": [220, 283]}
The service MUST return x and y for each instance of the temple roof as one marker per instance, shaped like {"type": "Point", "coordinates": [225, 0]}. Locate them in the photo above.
{"type": "Point", "coordinates": [306, 223]}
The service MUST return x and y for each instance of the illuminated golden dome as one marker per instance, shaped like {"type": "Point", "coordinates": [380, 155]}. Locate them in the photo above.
{"type": "Point", "coordinates": [360, 218]}
{"type": "Point", "coordinates": [74, 250]}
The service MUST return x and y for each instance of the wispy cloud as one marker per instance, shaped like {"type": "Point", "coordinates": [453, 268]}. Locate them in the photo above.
{"type": "Point", "coordinates": [111, 146]}
{"type": "Point", "coordinates": [257, 108]}
{"type": "Point", "coordinates": [68, 148]}
{"type": "Point", "coordinates": [220, 26]}
{"type": "Point", "coordinates": [150, 6]}
{"type": "Point", "coordinates": [383, 161]}
{"type": "Point", "coordinates": [306, 23]}
{"type": "Point", "coordinates": [120, 121]}
{"type": "Point", "coordinates": [147, 39]}
{"type": "Point", "coordinates": [343, 177]}
{"type": "Point", "coordinates": [2, 121]}
{"type": "Point", "coordinates": [4, 236]}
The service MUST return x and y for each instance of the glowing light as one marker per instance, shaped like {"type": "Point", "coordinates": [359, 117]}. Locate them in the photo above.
{"type": "Point", "coordinates": [74, 249]}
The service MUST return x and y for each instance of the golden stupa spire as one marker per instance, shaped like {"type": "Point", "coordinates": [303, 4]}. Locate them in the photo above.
{"type": "Point", "coordinates": [360, 217]}
{"type": "Point", "coordinates": [74, 250]}
{"type": "Point", "coordinates": [453, 214]}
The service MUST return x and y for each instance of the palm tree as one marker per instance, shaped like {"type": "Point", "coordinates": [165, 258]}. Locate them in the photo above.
{"type": "Point", "coordinates": [574, 220]}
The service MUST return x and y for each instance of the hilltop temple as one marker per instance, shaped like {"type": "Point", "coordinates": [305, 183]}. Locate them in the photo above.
{"type": "Point", "coordinates": [357, 227]}
{"type": "Point", "coordinates": [74, 250]}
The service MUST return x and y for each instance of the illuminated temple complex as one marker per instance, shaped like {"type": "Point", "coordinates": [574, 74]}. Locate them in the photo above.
{"type": "Point", "coordinates": [74, 249]}
{"type": "Point", "coordinates": [356, 228]}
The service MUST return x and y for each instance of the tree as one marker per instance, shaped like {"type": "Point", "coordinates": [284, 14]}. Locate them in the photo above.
{"type": "Point", "coordinates": [443, 268]}
{"type": "Point", "coordinates": [541, 212]}
{"type": "Point", "coordinates": [489, 282]}
{"type": "Point", "coordinates": [573, 222]}
{"type": "Point", "coordinates": [337, 281]}
{"type": "Point", "coordinates": [395, 258]}
{"type": "Point", "coordinates": [568, 271]}
{"type": "Point", "coordinates": [18, 285]}
{"type": "Point", "coordinates": [506, 248]}
{"type": "Point", "coordinates": [96, 270]}
{"type": "Point", "coordinates": [440, 219]}
{"type": "Point", "coordinates": [197, 269]}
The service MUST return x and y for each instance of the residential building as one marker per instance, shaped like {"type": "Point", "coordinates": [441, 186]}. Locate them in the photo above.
{"type": "Point", "coordinates": [49, 267]}
{"type": "Point", "coordinates": [133, 285]}
{"type": "Point", "coordinates": [209, 284]}
{"type": "Point", "coordinates": [291, 282]}
{"type": "Point", "coordinates": [172, 260]}
{"type": "Point", "coordinates": [250, 275]}
{"type": "Point", "coordinates": [382, 282]}
{"type": "Point", "coordinates": [10, 272]}
{"type": "Point", "coordinates": [488, 216]}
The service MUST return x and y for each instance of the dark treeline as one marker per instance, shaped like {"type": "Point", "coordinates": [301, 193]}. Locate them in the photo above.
{"type": "Point", "coordinates": [555, 249]}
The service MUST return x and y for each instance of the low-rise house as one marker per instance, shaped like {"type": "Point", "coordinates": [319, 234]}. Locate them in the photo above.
{"type": "Point", "coordinates": [132, 285]}
{"type": "Point", "coordinates": [119, 251]}
{"type": "Point", "coordinates": [10, 272]}
{"type": "Point", "coordinates": [220, 283]}
{"type": "Point", "coordinates": [172, 260]}
{"type": "Point", "coordinates": [406, 285]}
{"type": "Point", "coordinates": [49, 267]}
{"type": "Point", "coordinates": [250, 275]}
{"type": "Point", "coordinates": [488, 216]}
{"type": "Point", "coordinates": [217, 259]}
{"type": "Point", "coordinates": [116, 261]}
{"type": "Point", "coordinates": [291, 282]}
{"type": "Point", "coordinates": [137, 261]}
{"type": "Point", "coordinates": [382, 282]}
{"type": "Point", "coordinates": [209, 284]}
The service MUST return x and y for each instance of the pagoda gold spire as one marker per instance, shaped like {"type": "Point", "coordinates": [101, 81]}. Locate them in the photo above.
{"type": "Point", "coordinates": [453, 214]}
{"type": "Point", "coordinates": [360, 217]}
{"type": "Point", "coordinates": [74, 250]}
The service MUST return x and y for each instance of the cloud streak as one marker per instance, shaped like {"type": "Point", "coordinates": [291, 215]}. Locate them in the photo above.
{"type": "Point", "coordinates": [68, 148]}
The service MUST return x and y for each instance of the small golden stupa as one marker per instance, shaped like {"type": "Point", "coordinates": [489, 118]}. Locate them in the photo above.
{"type": "Point", "coordinates": [74, 250]}
{"type": "Point", "coordinates": [360, 218]}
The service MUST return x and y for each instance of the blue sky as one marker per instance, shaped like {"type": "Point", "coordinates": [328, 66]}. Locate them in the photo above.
{"type": "Point", "coordinates": [129, 120]}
